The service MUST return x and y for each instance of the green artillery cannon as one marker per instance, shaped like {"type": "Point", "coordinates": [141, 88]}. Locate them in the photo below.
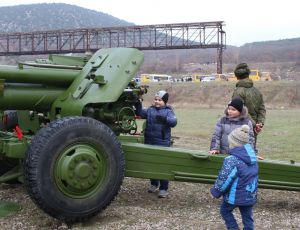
{"type": "Point", "coordinates": [69, 133]}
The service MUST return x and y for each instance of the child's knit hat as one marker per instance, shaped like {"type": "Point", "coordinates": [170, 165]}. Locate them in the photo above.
{"type": "Point", "coordinates": [239, 136]}
{"type": "Point", "coordinates": [163, 95]}
{"type": "Point", "coordinates": [237, 103]}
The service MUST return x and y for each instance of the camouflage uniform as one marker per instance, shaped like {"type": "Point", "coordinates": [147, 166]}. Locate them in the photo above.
{"type": "Point", "coordinates": [253, 100]}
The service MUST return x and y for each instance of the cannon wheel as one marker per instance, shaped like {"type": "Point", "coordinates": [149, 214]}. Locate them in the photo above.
{"type": "Point", "coordinates": [74, 168]}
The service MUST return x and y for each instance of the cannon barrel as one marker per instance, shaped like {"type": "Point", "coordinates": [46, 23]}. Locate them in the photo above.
{"type": "Point", "coordinates": [33, 88]}
{"type": "Point", "coordinates": [28, 97]}
{"type": "Point", "coordinates": [48, 76]}
{"type": "Point", "coordinates": [67, 89]}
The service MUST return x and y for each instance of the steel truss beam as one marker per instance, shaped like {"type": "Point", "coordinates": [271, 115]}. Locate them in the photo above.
{"type": "Point", "coordinates": [148, 37]}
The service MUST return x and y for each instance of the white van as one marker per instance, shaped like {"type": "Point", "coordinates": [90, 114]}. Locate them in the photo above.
{"type": "Point", "coordinates": [207, 79]}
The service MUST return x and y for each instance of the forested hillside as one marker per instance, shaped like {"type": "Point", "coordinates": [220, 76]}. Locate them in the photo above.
{"type": "Point", "coordinates": [37, 17]}
{"type": "Point", "coordinates": [271, 51]}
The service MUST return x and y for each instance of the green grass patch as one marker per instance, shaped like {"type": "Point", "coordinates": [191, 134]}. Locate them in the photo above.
{"type": "Point", "coordinates": [279, 139]}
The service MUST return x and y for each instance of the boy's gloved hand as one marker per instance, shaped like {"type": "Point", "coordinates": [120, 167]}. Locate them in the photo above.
{"type": "Point", "coordinates": [161, 118]}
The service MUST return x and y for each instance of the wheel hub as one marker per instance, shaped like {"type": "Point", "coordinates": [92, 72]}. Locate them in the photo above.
{"type": "Point", "coordinates": [79, 170]}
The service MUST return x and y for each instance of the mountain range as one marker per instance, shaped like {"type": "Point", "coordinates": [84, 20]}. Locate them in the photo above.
{"type": "Point", "coordinates": [281, 57]}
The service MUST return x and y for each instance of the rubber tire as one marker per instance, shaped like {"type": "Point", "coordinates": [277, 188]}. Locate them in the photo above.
{"type": "Point", "coordinates": [41, 156]}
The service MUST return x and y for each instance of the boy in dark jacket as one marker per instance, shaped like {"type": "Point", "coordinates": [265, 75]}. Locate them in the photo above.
{"type": "Point", "coordinates": [238, 180]}
{"type": "Point", "coordinates": [160, 119]}
{"type": "Point", "coordinates": [251, 96]}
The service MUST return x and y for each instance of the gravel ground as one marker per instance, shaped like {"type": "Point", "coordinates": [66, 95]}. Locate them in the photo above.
{"type": "Point", "coordinates": [188, 206]}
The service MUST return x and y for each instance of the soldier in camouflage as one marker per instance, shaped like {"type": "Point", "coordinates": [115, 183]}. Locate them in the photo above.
{"type": "Point", "coordinates": [251, 96]}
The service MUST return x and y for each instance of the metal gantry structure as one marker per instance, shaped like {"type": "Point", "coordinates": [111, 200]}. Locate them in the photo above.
{"type": "Point", "coordinates": [147, 37]}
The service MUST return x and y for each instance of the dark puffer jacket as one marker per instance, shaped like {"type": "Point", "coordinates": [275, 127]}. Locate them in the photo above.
{"type": "Point", "coordinates": [252, 98]}
{"type": "Point", "coordinates": [157, 132]}
{"type": "Point", "coordinates": [225, 125]}
{"type": "Point", "coordinates": [238, 178]}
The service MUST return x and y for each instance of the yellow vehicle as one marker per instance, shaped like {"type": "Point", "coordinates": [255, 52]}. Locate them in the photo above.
{"type": "Point", "coordinates": [255, 75]}
{"type": "Point", "coordinates": [211, 77]}
{"type": "Point", "coordinates": [219, 77]}
{"type": "Point", "coordinates": [198, 77]}
{"type": "Point", "coordinates": [146, 78]}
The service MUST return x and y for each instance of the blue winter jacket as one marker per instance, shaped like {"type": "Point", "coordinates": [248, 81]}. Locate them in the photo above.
{"type": "Point", "coordinates": [157, 132]}
{"type": "Point", "coordinates": [238, 178]}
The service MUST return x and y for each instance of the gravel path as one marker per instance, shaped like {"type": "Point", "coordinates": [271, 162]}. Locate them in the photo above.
{"type": "Point", "coordinates": [189, 206]}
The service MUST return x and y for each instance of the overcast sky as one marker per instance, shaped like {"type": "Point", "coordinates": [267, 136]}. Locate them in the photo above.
{"type": "Point", "coordinates": [245, 21]}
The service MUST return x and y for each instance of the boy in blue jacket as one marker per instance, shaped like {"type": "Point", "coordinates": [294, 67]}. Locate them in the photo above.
{"type": "Point", "coordinates": [160, 119]}
{"type": "Point", "coordinates": [238, 180]}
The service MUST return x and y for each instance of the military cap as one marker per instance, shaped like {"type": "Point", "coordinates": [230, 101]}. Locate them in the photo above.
{"type": "Point", "coordinates": [242, 70]}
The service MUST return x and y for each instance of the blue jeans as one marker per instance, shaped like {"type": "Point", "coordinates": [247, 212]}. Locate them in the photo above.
{"type": "Point", "coordinates": [163, 184]}
{"type": "Point", "coordinates": [246, 213]}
